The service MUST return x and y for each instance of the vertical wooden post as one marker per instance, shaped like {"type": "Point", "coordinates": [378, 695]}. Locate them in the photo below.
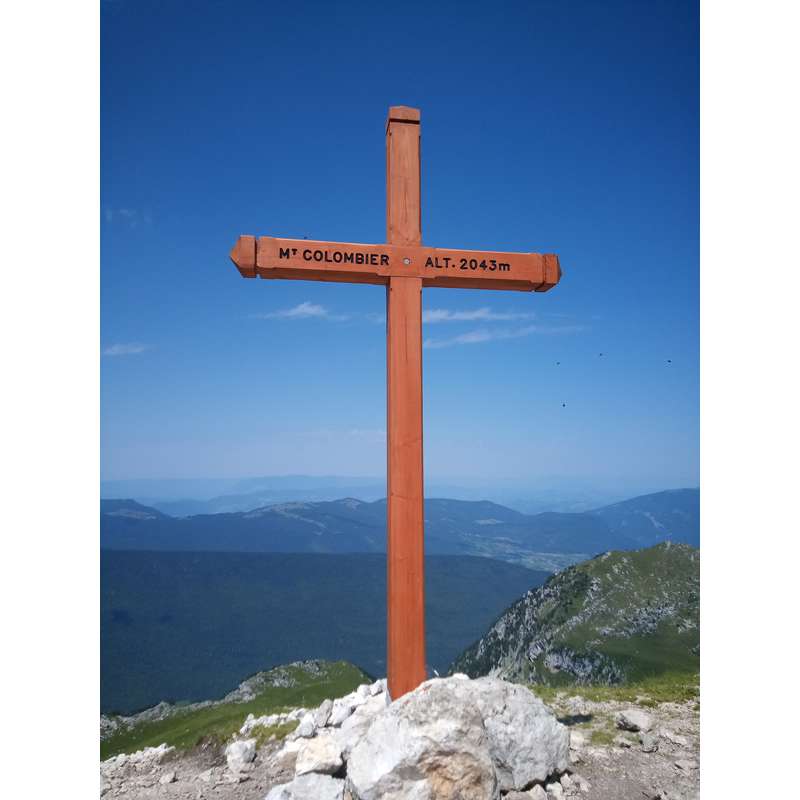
{"type": "Point", "coordinates": [405, 504]}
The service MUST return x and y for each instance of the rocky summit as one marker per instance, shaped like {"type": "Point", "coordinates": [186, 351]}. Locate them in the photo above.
{"type": "Point", "coordinates": [450, 738]}
{"type": "Point", "coordinates": [615, 618]}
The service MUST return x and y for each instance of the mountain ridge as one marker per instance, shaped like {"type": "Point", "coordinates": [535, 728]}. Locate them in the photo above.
{"type": "Point", "coordinates": [620, 616]}
{"type": "Point", "coordinates": [548, 540]}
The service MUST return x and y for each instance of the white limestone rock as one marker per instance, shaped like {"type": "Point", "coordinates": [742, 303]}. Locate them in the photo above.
{"type": "Point", "coordinates": [240, 754]}
{"type": "Point", "coordinates": [676, 739]}
{"type": "Point", "coordinates": [146, 758]}
{"type": "Point", "coordinates": [649, 742]}
{"type": "Point", "coordinates": [454, 737]}
{"type": "Point", "coordinates": [577, 740]}
{"type": "Point", "coordinates": [323, 714]}
{"type": "Point", "coordinates": [353, 729]}
{"type": "Point", "coordinates": [526, 741]}
{"type": "Point", "coordinates": [554, 791]}
{"type": "Point", "coordinates": [342, 709]}
{"type": "Point", "coordinates": [309, 787]}
{"type": "Point", "coordinates": [634, 719]}
{"type": "Point", "coordinates": [285, 759]}
{"type": "Point", "coordinates": [436, 750]}
{"type": "Point", "coordinates": [321, 754]}
{"type": "Point", "coordinates": [306, 727]}
{"type": "Point", "coordinates": [270, 720]}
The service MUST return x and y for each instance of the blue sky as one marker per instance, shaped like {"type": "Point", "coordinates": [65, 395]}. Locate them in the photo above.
{"type": "Point", "coordinates": [567, 127]}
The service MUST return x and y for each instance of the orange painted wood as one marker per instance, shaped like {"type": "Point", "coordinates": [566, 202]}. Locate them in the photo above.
{"type": "Point", "coordinates": [404, 266]}
{"type": "Point", "coordinates": [301, 259]}
{"type": "Point", "coordinates": [403, 208]}
{"type": "Point", "coordinates": [402, 114]}
{"type": "Point", "coordinates": [244, 256]}
{"type": "Point", "coordinates": [405, 502]}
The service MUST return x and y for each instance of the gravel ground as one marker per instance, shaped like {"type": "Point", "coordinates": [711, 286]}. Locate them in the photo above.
{"type": "Point", "coordinates": [608, 763]}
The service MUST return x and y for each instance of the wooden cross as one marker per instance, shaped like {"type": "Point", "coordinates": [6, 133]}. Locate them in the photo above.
{"type": "Point", "coordinates": [404, 266]}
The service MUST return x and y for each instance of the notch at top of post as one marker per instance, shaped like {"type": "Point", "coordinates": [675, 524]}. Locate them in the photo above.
{"type": "Point", "coordinates": [403, 114]}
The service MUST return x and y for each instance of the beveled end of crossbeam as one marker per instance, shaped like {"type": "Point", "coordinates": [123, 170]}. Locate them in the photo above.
{"type": "Point", "coordinates": [243, 256]}
{"type": "Point", "coordinates": [552, 272]}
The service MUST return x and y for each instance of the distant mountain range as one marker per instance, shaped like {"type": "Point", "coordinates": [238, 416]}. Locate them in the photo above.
{"type": "Point", "coordinates": [549, 540]}
{"type": "Point", "coordinates": [189, 497]}
{"type": "Point", "coordinates": [188, 626]}
{"type": "Point", "coordinates": [619, 617]}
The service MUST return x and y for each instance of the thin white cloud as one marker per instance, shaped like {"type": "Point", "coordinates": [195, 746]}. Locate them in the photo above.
{"type": "Point", "coordinates": [346, 436]}
{"type": "Point", "coordinates": [376, 435]}
{"type": "Point", "coordinates": [131, 217]}
{"type": "Point", "coordinates": [485, 335]}
{"type": "Point", "coordinates": [484, 314]}
{"type": "Point", "coordinates": [305, 310]}
{"type": "Point", "coordinates": [130, 349]}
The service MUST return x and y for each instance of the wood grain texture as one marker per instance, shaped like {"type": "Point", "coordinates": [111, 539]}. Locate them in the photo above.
{"type": "Point", "coordinates": [403, 210]}
{"type": "Point", "coordinates": [405, 502]}
{"type": "Point", "coordinates": [351, 262]}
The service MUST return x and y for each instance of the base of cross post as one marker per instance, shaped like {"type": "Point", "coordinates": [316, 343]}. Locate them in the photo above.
{"type": "Point", "coordinates": [405, 503]}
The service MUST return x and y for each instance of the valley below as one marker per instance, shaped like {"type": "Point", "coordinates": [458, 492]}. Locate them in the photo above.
{"type": "Point", "coordinates": [595, 613]}
{"type": "Point", "coordinates": [184, 626]}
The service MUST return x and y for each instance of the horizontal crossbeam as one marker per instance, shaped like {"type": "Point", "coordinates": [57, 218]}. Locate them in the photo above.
{"type": "Point", "coordinates": [301, 259]}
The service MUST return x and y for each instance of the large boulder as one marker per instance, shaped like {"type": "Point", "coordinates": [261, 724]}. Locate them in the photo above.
{"type": "Point", "coordinates": [526, 741]}
{"type": "Point", "coordinates": [457, 738]}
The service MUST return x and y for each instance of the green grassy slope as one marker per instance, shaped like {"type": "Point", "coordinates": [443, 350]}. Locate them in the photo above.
{"type": "Point", "coordinates": [185, 728]}
{"type": "Point", "coordinates": [620, 617]}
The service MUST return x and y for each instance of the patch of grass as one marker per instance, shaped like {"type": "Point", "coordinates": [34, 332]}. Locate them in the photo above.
{"type": "Point", "coordinates": [184, 729]}
{"type": "Point", "coordinates": [670, 687]}
{"type": "Point", "coordinates": [263, 733]}
{"type": "Point", "coordinates": [602, 737]}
